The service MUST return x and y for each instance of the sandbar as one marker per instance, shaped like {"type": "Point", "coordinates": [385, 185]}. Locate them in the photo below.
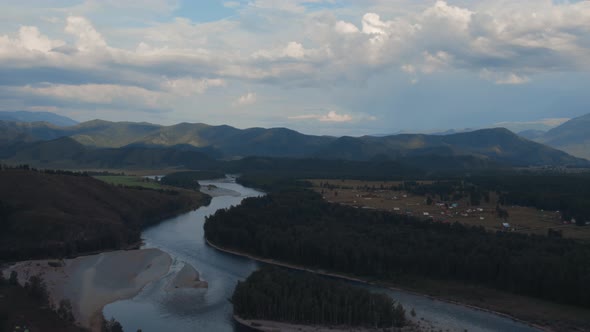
{"type": "Point", "coordinates": [91, 282]}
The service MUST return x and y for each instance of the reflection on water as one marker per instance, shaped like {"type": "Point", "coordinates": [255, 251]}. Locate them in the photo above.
{"type": "Point", "coordinates": [208, 309]}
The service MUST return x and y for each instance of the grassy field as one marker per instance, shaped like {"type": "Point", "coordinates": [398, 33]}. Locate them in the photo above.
{"type": "Point", "coordinates": [129, 181]}
{"type": "Point", "coordinates": [369, 194]}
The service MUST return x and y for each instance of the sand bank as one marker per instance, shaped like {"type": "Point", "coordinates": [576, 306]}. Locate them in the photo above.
{"type": "Point", "coordinates": [187, 277]}
{"type": "Point", "coordinates": [91, 282]}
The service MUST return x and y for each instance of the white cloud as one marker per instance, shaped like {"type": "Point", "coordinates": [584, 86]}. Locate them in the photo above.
{"type": "Point", "coordinates": [294, 50]}
{"type": "Point", "coordinates": [435, 62]}
{"type": "Point", "coordinates": [335, 117]}
{"type": "Point", "coordinates": [504, 78]}
{"type": "Point", "coordinates": [99, 94]}
{"type": "Point", "coordinates": [88, 39]}
{"type": "Point", "coordinates": [247, 99]}
{"type": "Point", "coordinates": [513, 79]}
{"type": "Point", "coordinates": [345, 27]}
{"type": "Point", "coordinates": [32, 40]}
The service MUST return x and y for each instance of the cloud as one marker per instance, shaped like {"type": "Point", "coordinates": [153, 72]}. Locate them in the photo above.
{"type": "Point", "coordinates": [345, 27]}
{"type": "Point", "coordinates": [524, 39]}
{"type": "Point", "coordinates": [292, 6]}
{"type": "Point", "coordinates": [231, 4]}
{"type": "Point", "coordinates": [310, 52]}
{"type": "Point", "coordinates": [504, 78]}
{"type": "Point", "coordinates": [105, 94]}
{"type": "Point", "coordinates": [247, 99]}
{"type": "Point", "coordinates": [188, 86]}
{"type": "Point", "coordinates": [88, 39]}
{"type": "Point", "coordinates": [331, 116]}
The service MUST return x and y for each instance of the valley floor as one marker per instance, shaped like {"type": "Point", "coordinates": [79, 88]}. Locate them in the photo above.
{"type": "Point", "coordinates": [544, 315]}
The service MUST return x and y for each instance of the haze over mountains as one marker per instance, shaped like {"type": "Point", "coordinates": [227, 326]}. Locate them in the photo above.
{"type": "Point", "coordinates": [101, 143]}
{"type": "Point", "coordinates": [572, 137]}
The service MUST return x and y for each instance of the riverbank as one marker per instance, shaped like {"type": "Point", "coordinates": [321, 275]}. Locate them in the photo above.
{"type": "Point", "coordinates": [273, 326]}
{"type": "Point", "coordinates": [539, 314]}
{"type": "Point", "coordinates": [91, 282]}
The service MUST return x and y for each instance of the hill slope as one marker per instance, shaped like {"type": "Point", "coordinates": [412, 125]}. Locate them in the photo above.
{"type": "Point", "coordinates": [65, 152]}
{"type": "Point", "coordinates": [63, 214]}
{"type": "Point", "coordinates": [572, 136]}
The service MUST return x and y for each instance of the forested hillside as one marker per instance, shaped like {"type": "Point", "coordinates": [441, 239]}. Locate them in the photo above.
{"type": "Point", "coordinates": [572, 136]}
{"type": "Point", "coordinates": [51, 214]}
{"type": "Point", "coordinates": [299, 227]}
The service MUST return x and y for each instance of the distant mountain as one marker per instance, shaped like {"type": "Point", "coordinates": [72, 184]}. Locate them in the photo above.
{"type": "Point", "coordinates": [273, 142]}
{"type": "Point", "coordinates": [23, 116]}
{"type": "Point", "coordinates": [224, 142]}
{"type": "Point", "coordinates": [543, 124]}
{"type": "Point", "coordinates": [498, 144]}
{"type": "Point", "coordinates": [532, 134]}
{"type": "Point", "coordinates": [572, 136]}
{"type": "Point", "coordinates": [105, 134]}
{"type": "Point", "coordinates": [453, 131]}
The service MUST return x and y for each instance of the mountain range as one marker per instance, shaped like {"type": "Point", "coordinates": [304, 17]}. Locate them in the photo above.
{"type": "Point", "coordinates": [23, 116]}
{"type": "Point", "coordinates": [101, 143]}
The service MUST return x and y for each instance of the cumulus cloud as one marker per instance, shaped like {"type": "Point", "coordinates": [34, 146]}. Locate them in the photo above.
{"type": "Point", "coordinates": [88, 39]}
{"type": "Point", "coordinates": [288, 44]}
{"type": "Point", "coordinates": [528, 38]}
{"type": "Point", "coordinates": [345, 27]}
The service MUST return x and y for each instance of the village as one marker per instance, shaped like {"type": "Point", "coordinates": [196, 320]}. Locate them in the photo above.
{"type": "Point", "coordinates": [488, 214]}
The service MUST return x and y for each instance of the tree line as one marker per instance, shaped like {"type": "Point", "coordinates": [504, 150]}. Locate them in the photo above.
{"type": "Point", "coordinates": [567, 193]}
{"type": "Point", "coordinates": [299, 227]}
{"type": "Point", "coordinates": [60, 214]}
{"type": "Point", "coordinates": [304, 298]}
{"type": "Point", "coordinates": [190, 179]}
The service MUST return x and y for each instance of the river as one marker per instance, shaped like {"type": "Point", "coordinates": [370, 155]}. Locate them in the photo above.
{"type": "Point", "coordinates": [155, 309]}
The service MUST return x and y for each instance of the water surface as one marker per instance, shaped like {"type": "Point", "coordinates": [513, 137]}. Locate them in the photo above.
{"type": "Point", "coordinates": [182, 237]}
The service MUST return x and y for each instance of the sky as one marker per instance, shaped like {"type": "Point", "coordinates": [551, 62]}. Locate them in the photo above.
{"type": "Point", "coordinates": [327, 67]}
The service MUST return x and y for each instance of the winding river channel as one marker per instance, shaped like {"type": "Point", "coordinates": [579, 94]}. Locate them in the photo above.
{"type": "Point", "coordinates": [156, 309]}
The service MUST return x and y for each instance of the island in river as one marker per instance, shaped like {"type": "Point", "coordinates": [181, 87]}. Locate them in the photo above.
{"type": "Point", "coordinates": [275, 298]}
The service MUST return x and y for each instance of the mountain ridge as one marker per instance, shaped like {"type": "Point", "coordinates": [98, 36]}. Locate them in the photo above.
{"type": "Point", "coordinates": [26, 116]}
{"type": "Point", "coordinates": [572, 136]}
{"type": "Point", "coordinates": [496, 144]}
